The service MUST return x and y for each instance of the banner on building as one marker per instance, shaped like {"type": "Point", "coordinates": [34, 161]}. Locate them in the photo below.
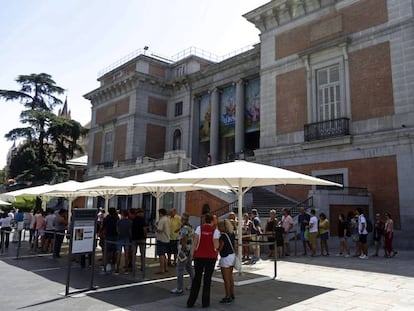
{"type": "Point", "coordinates": [252, 106]}
{"type": "Point", "coordinates": [228, 111]}
{"type": "Point", "coordinates": [205, 117]}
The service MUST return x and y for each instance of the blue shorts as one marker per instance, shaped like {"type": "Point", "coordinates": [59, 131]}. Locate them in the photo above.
{"type": "Point", "coordinates": [324, 236]}
{"type": "Point", "coordinates": [123, 243]}
{"type": "Point", "coordinates": [162, 248]}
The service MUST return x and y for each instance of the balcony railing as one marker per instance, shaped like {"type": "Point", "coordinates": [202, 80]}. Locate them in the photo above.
{"type": "Point", "coordinates": [326, 129]}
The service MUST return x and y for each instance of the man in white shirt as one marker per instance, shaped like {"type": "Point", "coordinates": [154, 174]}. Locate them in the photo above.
{"type": "Point", "coordinates": [363, 233]}
{"type": "Point", "coordinates": [313, 231]}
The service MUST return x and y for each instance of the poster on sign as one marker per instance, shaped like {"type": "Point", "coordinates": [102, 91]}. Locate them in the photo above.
{"type": "Point", "coordinates": [83, 233]}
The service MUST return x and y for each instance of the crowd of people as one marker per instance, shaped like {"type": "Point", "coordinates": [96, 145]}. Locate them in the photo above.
{"type": "Point", "coordinates": [46, 229]}
{"type": "Point", "coordinates": [196, 251]}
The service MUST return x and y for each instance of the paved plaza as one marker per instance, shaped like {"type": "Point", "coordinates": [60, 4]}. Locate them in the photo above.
{"type": "Point", "coordinates": [37, 282]}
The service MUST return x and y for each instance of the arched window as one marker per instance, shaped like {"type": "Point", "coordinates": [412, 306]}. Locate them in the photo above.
{"type": "Point", "coordinates": [177, 140]}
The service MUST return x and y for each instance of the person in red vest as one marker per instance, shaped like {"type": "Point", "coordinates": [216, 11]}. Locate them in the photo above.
{"type": "Point", "coordinates": [204, 253]}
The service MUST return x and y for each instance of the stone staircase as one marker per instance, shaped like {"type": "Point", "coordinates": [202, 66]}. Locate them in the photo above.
{"type": "Point", "coordinates": [265, 200]}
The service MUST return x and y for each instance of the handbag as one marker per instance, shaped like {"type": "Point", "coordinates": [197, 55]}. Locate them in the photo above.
{"type": "Point", "coordinates": [237, 262]}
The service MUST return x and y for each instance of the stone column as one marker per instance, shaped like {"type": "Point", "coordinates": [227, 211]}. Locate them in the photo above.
{"type": "Point", "coordinates": [214, 126]}
{"type": "Point", "coordinates": [239, 130]}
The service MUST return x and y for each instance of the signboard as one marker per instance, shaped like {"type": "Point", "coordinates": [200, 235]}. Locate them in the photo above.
{"type": "Point", "coordinates": [83, 233]}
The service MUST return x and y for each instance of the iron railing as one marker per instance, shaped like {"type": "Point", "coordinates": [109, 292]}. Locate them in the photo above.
{"type": "Point", "coordinates": [326, 129]}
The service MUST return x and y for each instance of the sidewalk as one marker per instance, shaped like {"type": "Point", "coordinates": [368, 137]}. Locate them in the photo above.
{"type": "Point", "coordinates": [302, 283]}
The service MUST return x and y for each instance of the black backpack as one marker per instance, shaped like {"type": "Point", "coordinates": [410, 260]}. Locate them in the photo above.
{"type": "Point", "coordinates": [369, 225]}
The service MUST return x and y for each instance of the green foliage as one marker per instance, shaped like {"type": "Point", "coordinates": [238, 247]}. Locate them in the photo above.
{"type": "Point", "coordinates": [24, 204]}
{"type": "Point", "coordinates": [49, 140]}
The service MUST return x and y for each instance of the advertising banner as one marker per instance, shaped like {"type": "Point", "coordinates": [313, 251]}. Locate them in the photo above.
{"type": "Point", "coordinates": [252, 104]}
{"type": "Point", "coordinates": [228, 111]}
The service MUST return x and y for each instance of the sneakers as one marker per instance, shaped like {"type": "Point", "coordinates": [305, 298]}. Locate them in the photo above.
{"type": "Point", "coordinates": [347, 256]}
{"type": "Point", "coordinates": [176, 291]}
{"type": "Point", "coordinates": [363, 256]}
{"type": "Point", "coordinates": [226, 300]}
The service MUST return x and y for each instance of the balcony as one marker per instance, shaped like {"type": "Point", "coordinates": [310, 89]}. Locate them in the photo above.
{"type": "Point", "coordinates": [326, 129]}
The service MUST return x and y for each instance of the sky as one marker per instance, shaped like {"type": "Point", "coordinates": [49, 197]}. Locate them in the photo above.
{"type": "Point", "coordinates": [73, 40]}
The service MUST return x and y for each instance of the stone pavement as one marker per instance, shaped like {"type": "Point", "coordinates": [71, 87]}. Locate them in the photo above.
{"type": "Point", "coordinates": [302, 283]}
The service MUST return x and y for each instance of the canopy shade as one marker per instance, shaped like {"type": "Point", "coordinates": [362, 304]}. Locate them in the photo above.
{"type": "Point", "coordinates": [241, 176]}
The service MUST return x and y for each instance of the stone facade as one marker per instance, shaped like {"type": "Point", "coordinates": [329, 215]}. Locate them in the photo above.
{"type": "Point", "coordinates": [336, 101]}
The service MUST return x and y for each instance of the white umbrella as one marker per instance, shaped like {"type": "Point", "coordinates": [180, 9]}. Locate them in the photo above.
{"type": "Point", "coordinates": [4, 203]}
{"type": "Point", "coordinates": [241, 176]}
{"type": "Point", "coordinates": [31, 191]}
{"type": "Point", "coordinates": [106, 187]}
{"type": "Point", "coordinates": [149, 182]}
{"type": "Point", "coordinates": [67, 190]}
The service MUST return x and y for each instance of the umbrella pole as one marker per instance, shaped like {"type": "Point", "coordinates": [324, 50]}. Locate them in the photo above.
{"type": "Point", "coordinates": [239, 223]}
{"type": "Point", "coordinates": [106, 204]}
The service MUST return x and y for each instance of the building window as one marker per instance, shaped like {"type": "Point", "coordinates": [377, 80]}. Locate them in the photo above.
{"type": "Point", "coordinates": [178, 109]}
{"type": "Point", "coordinates": [339, 175]}
{"type": "Point", "coordinates": [180, 71]}
{"type": "Point", "coordinates": [177, 140]}
{"type": "Point", "coordinates": [108, 147]}
{"type": "Point", "coordinates": [328, 84]}
{"type": "Point", "coordinates": [328, 93]}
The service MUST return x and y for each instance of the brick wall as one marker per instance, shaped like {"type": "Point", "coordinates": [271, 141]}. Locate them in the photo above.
{"type": "Point", "coordinates": [157, 106]}
{"type": "Point", "coordinates": [111, 111]}
{"type": "Point", "coordinates": [371, 82]}
{"type": "Point", "coordinates": [378, 175]}
{"type": "Point", "coordinates": [194, 200]}
{"type": "Point", "coordinates": [97, 148]}
{"type": "Point", "coordinates": [156, 70]}
{"type": "Point", "coordinates": [155, 140]}
{"type": "Point", "coordinates": [362, 15]}
{"type": "Point", "coordinates": [120, 142]}
{"type": "Point", "coordinates": [291, 102]}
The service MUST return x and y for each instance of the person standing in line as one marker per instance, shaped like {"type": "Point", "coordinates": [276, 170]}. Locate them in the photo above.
{"type": "Point", "coordinates": [175, 225]}
{"type": "Point", "coordinates": [124, 241]}
{"type": "Point", "coordinates": [110, 231]}
{"type": "Point", "coordinates": [324, 234]}
{"type": "Point", "coordinates": [246, 238]}
{"type": "Point", "coordinates": [184, 254]}
{"type": "Point", "coordinates": [303, 221]}
{"type": "Point", "coordinates": [162, 232]}
{"type": "Point", "coordinates": [363, 233]}
{"type": "Point", "coordinates": [287, 224]}
{"type": "Point", "coordinates": [313, 231]}
{"type": "Point", "coordinates": [271, 224]}
{"type": "Point", "coordinates": [60, 224]}
{"type": "Point", "coordinates": [5, 224]}
{"type": "Point", "coordinates": [139, 233]}
{"type": "Point", "coordinates": [257, 231]}
{"type": "Point", "coordinates": [226, 249]}
{"type": "Point", "coordinates": [204, 253]}
{"type": "Point", "coordinates": [378, 234]}
{"type": "Point", "coordinates": [49, 231]}
{"type": "Point", "coordinates": [389, 236]}
{"type": "Point", "coordinates": [343, 234]}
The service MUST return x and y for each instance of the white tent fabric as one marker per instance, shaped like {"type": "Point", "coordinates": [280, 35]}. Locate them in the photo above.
{"type": "Point", "coordinates": [31, 191]}
{"type": "Point", "coordinates": [149, 182]}
{"type": "Point", "coordinates": [241, 176]}
{"type": "Point", "coordinates": [4, 203]}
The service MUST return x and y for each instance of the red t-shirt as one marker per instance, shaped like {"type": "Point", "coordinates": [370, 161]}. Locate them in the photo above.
{"type": "Point", "coordinates": [205, 247]}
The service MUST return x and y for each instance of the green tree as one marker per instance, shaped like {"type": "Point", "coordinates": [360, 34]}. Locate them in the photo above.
{"type": "Point", "coordinates": [49, 140]}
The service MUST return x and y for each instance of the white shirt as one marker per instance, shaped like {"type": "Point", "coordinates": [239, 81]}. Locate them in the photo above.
{"type": "Point", "coordinates": [313, 224]}
{"type": "Point", "coordinates": [362, 220]}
